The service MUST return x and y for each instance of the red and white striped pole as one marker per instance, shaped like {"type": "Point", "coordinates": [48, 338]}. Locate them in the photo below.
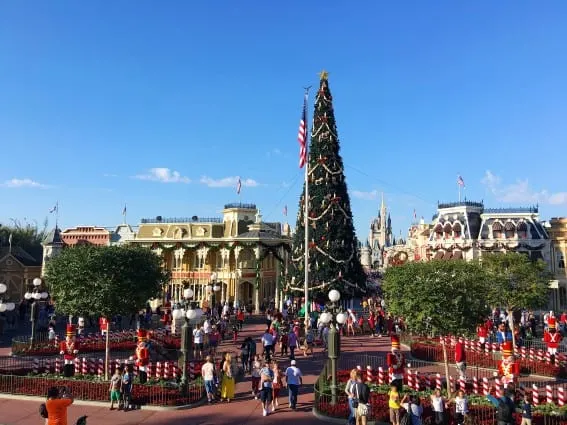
{"type": "Point", "coordinates": [167, 372]}
{"type": "Point", "coordinates": [497, 388]}
{"type": "Point", "coordinates": [84, 366]}
{"type": "Point", "coordinates": [462, 383]}
{"type": "Point", "coordinates": [77, 365]}
{"type": "Point", "coordinates": [159, 371]}
{"type": "Point", "coordinates": [549, 394]}
{"type": "Point", "coordinates": [560, 396]}
{"type": "Point", "coordinates": [410, 378]}
{"type": "Point", "coordinates": [57, 366]}
{"type": "Point", "coordinates": [535, 395]}
{"type": "Point", "coordinates": [539, 355]}
{"type": "Point", "coordinates": [523, 352]}
{"type": "Point", "coordinates": [475, 385]}
{"type": "Point", "coordinates": [100, 368]}
{"type": "Point", "coordinates": [438, 383]}
{"type": "Point", "coordinates": [381, 376]}
{"type": "Point", "coordinates": [416, 380]}
{"type": "Point", "coordinates": [369, 375]}
{"type": "Point", "coordinates": [485, 386]}
{"type": "Point", "coordinates": [91, 366]}
{"type": "Point", "coordinates": [427, 382]}
{"type": "Point", "coordinates": [532, 355]}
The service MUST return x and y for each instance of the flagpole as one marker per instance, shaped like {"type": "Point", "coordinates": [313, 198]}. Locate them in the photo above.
{"type": "Point", "coordinates": [306, 215]}
{"type": "Point", "coordinates": [57, 214]}
{"type": "Point", "coordinates": [459, 186]}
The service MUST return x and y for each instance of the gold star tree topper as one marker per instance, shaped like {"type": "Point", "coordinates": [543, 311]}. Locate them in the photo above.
{"type": "Point", "coordinates": [323, 75]}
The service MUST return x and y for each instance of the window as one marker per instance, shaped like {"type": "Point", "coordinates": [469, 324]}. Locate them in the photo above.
{"type": "Point", "coordinates": [438, 231]}
{"type": "Point", "coordinates": [457, 230]}
{"type": "Point", "coordinates": [560, 260]}
{"type": "Point", "coordinates": [448, 230]}
{"type": "Point", "coordinates": [509, 230]}
{"type": "Point", "coordinates": [522, 230]}
{"type": "Point", "coordinates": [497, 230]}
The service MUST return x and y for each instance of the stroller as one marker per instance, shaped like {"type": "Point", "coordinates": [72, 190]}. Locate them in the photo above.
{"type": "Point", "coordinates": [81, 421]}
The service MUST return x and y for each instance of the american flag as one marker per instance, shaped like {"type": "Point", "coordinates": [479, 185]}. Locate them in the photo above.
{"type": "Point", "coordinates": [285, 210]}
{"type": "Point", "coordinates": [124, 210]}
{"type": "Point", "coordinates": [302, 135]}
{"type": "Point", "coordinates": [460, 181]}
{"type": "Point", "coordinates": [238, 186]}
{"type": "Point", "coordinates": [54, 209]}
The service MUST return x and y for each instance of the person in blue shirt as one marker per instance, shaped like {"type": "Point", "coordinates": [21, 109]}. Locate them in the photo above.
{"type": "Point", "coordinates": [526, 411]}
{"type": "Point", "coordinates": [505, 408]}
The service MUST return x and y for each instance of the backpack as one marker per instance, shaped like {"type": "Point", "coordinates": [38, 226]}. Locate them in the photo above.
{"type": "Point", "coordinates": [43, 411]}
{"type": "Point", "coordinates": [504, 412]}
{"type": "Point", "coordinates": [406, 419]}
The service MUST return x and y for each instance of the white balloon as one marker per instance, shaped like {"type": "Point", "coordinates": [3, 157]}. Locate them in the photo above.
{"type": "Point", "coordinates": [3, 288]}
{"type": "Point", "coordinates": [10, 306]}
{"type": "Point", "coordinates": [2, 307]}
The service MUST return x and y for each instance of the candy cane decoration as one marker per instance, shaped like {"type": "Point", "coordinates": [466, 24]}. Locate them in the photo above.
{"type": "Point", "coordinates": [91, 366]}
{"type": "Point", "coordinates": [487, 348]}
{"type": "Point", "coordinates": [427, 382]}
{"type": "Point", "coordinates": [523, 352]}
{"type": "Point", "coordinates": [416, 380]}
{"type": "Point", "coordinates": [381, 375]}
{"type": "Point", "coordinates": [100, 368]}
{"type": "Point", "coordinates": [191, 370]}
{"type": "Point", "coordinates": [84, 366]}
{"type": "Point", "coordinates": [369, 375]}
{"type": "Point", "coordinates": [532, 354]}
{"type": "Point", "coordinates": [561, 396]}
{"type": "Point", "coordinates": [475, 384]}
{"type": "Point", "coordinates": [485, 386]}
{"type": "Point", "coordinates": [462, 383]}
{"type": "Point", "coordinates": [539, 355]}
{"type": "Point", "coordinates": [175, 371]}
{"type": "Point", "coordinates": [57, 365]}
{"type": "Point", "coordinates": [167, 373]}
{"type": "Point", "coordinates": [535, 395]}
{"type": "Point", "coordinates": [498, 388]}
{"type": "Point", "coordinates": [159, 372]}
{"type": "Point", "coordinates": [77, 365]}
{"type": "Point", "coordinates": [151, 370]}
{"type": "Point", "coordinates": [549, 394]}
{"type": "Point", "coordinates": [410, 378]}
{"type": "Point", "coordinates": [438, 381]}
{"type": "Point", "coordinates": [36, 366]}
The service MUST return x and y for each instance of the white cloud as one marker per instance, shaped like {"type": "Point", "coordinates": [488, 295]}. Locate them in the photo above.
{"type": "Point", "coordinates": [520, 191]}
{"type": "Point", "coordinates": [367, 196]}
{"type": "Point", "coordinates": [228, 182]}
{"type": "Point", "coordinates": [163, 175]}
{"type": "Point", "coordinates": [109, 175]}
{"type": "Point", "coordinates": [21, 183]}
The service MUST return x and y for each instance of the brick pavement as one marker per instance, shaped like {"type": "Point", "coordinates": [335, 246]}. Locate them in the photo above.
{"type": "Point", "coordinates": [244, 410]}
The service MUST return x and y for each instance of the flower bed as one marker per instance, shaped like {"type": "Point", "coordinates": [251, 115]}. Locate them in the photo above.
{"type": "Point", "coordinates": [429, 351]}
{"type": "Point", "coordinates": [91, 390]}
{"type": "Point", "coordinates": [480, 408]}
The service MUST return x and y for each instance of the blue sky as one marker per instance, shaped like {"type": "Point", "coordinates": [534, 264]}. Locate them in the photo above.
{"type": "Point", "coordinates": [160, 106]}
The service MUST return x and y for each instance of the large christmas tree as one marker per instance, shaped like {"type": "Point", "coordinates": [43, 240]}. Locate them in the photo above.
{"type": "Point", "coordinates": [333, 248]}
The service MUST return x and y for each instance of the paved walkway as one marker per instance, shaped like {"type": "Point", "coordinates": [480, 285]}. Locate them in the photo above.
{"type": "Point", "coordinates": [244, 410]}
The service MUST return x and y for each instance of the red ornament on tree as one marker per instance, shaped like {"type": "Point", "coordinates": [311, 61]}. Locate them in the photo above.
{"type": "Point", "coordinates": [312, 244]}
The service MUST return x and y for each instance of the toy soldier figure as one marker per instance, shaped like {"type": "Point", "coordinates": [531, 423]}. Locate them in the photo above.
{"type": "Point", "coordinates": [552, 338]}
{"type": "Point", "coordinates": [142, 356]}
{"type": "Point", "coordinates": [69, 350]}
{"type": "Point", "coordinates": [395, 361]}
{"type": "Point", "coordinates": [508, 367]}
{"type": "Point", "coordinates": [103, 325]}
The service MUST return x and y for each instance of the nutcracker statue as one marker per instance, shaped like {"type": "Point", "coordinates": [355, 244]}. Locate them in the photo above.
{"type": "Point", "coordinates": [103, 325]}
{"type": "Point", "coordinates": [69, 350]}
{"type": "Point", "coordinates": [552, 338]}
{"type": "Point", "coordinates": [142, 356]}
{"type": "Point", "coordinates": [508, 367]}
{"type": "Point", "coordinates": [395, 361]}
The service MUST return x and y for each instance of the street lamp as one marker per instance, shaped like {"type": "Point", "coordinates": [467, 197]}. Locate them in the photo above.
{"type": "Point", "coordinates": [333, 315]}
{"type": "Point", "coordinates": [188, 313]}
{"type": "Point", "coordinates": [5, 306]}
{"type": "Point", "coordinates": [35, 293]}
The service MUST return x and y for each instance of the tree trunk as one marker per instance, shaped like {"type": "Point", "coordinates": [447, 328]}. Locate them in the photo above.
{"type": "Point", "coordinates": [511, 322]}
{"type": "Point", "coordinates": [448, 378]}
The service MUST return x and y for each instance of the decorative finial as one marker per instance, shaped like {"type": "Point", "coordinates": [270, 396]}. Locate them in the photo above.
{"type": "Point", "coordinates": [323, 75]}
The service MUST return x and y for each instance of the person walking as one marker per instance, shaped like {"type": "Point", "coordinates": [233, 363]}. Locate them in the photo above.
{"type": "Point", "coordinates": [292, 343]}
{"type": "Point", "coordinates": [276, 385]}
{"type": "Point", "coordinates": [293, 378]}
{"type": "Point", "coordinates": [266, 383]}
{"type": "Point", "coordinates": [438, 404]}
{"type": "Point", "coordinates": [208, 374]}
{"type": "Point", "coordinates": [267, 342]}
{"type": "Point", "coordinates": [349, 390]}
{"type": "Point", "coordinates": [227, 385]}
{"type": "Point", "coordinates": [362, 394]}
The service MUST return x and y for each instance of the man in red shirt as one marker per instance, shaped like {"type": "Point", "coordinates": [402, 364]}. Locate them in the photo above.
{"type": "Point", "coordinates": [461, 358]}
{"type": "Point", "coordinates": [482, 334]}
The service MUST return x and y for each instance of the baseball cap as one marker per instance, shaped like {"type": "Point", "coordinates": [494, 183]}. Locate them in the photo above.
{"type": "Point", "coordinates": [293, 362]}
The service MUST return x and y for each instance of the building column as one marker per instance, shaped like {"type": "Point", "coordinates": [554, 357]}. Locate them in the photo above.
{"type": "Point", "coordinates": [256, 300]}
{"type": "Point", "coordinates": [222, 293]}
{"type": "Point", "coordinates": [236, 292]}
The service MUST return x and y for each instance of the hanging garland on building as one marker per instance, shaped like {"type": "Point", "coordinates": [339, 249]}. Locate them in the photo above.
{"type": "Point", "coordinates": [324, 285]}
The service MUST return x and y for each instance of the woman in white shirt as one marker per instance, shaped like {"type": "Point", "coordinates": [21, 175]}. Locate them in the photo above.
{"type": "Point", "coordinates": [461, 407]}
{"type": "Point", "coordinates": [438, 405]}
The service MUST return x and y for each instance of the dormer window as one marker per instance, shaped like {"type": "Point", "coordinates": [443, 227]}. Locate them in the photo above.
{"type": "Point", "coordinates": [438, 231]}
{"type": "Point", "coordinates": [522, 230]}
{"type": "Point", "coordinates": [448, 230]}
{"type": "Point", "coordinates": [457, 230]}
{"type": "Point", "coordinates": [497, 230]}
{"type": "Point", "coordinates": [509, 230]}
